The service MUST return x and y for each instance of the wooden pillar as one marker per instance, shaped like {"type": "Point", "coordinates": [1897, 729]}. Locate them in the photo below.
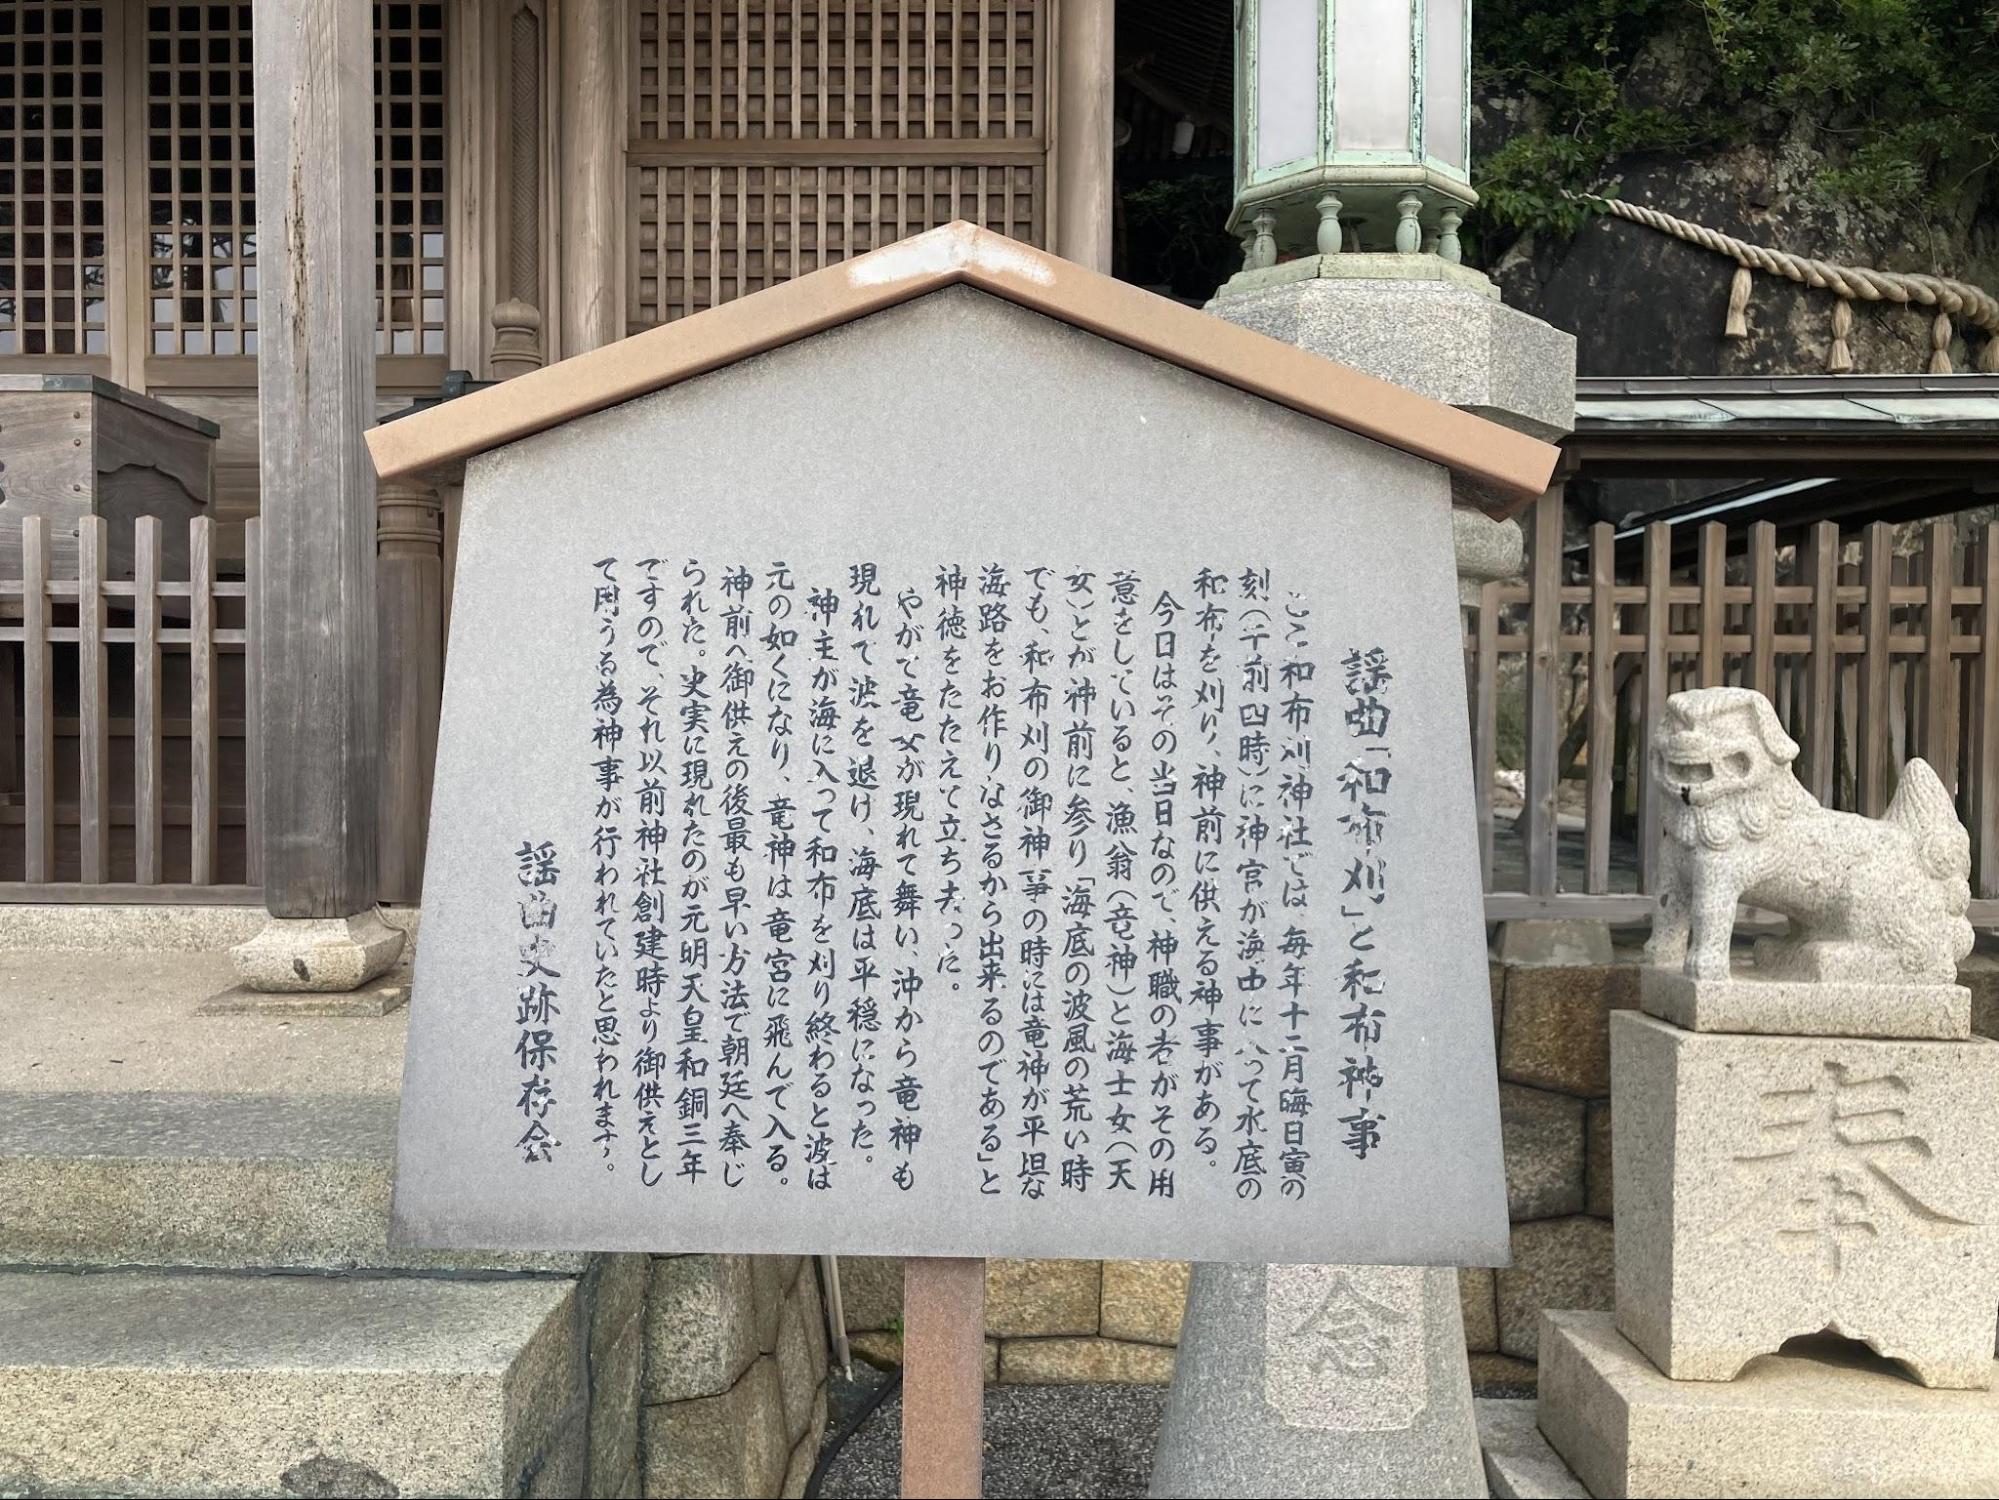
{"type": "Point", "coordinates": [516, 346]}
{"type": "Point", "coordinates": [410, 580]}
{"type": "Point", "coordinates": [592, 156]}
{"type": "Point", "coordinates": [1086, 56]}
{"type": "Point", "coordinates": [320, 710]}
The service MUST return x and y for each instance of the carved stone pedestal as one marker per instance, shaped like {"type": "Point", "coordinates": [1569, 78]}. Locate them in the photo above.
{"type": "Point", "coordinates": [1798, 1007]}
{"type": "Point", "coordinates": [1772, 1187]}
{"type": "Point", "coordinates": [1821, 1419]}
{"type": "Point", "coordinates": [1769, 1187]}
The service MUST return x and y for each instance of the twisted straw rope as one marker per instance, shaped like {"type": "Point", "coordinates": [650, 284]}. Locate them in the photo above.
{"type": "Point", "coordinates": [1951, 298]}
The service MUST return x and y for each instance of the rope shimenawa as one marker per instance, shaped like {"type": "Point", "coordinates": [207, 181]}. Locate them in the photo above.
{"type": "Point", "coordinates": [1950, 298]}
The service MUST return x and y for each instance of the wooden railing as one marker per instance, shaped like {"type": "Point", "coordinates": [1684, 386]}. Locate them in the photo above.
{"type": "Point", "coordinates": [128, 736]}
{"type": "Point", "coordinates": [128, 732]}
{"type": "Point", "coordinates": [1869, 656]}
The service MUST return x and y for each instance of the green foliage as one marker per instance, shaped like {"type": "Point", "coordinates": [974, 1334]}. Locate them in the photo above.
{"type": "Point", "coordinates": [1174, 237]}
{"type": "Point", "coordinates": [1900, 96]}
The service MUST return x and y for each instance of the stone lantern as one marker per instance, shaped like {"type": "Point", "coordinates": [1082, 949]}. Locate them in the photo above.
{"type": "Point", "coordinates": [1353, 128]}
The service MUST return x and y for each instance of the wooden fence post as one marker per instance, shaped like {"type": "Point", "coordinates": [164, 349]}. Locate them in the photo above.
{"type": "Point", "coordinates": [1876, 668]}
{"type": "Point", "coordinates": [1821, 573]}
{"type": "Point", "coordinates": [1762, 674]}
{"type": "Point", "coordinates": [1658, 623]}
{"type": "Point", "coordinates": [201, 695]}
{"type": "Point", "coordinates": [93, 704]}
{"type": "Point", "coordinates": [1714, 604]}
{"type": "Point", "coordinates": [1544, 739]}
{"type": "Point", "coordinates": [147, 817]}
{"type": "Point", "coordinates": [38, 726]}
{"type": "Point", "coordinates": [1485, 724]}
{"type": "Point", "coordinates": [1602, 700]}
{"type": "Point", "coordinates": [1939, 668]}
{"type": "Point", "coordinates": [253, 723]}
{"type": "Point", "coordinates": [1986, 727]}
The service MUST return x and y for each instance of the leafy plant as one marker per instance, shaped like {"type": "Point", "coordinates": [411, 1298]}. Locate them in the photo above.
{"type": "Point", "coordinates": [1901, 97]}
{"type": "Point", "coordinates": [1174, 236]}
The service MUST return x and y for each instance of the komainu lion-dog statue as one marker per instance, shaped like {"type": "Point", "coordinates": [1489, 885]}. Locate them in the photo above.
{"type": "Point", "coordinates": [1871, 901]}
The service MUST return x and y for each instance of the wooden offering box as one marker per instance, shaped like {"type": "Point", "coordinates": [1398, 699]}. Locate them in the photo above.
{"type": "Point", "coordinates": [75, 445]}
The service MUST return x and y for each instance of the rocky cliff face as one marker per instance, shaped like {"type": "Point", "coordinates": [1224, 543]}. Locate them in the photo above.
{"type": "Point", "coordinates": [1642, 303]}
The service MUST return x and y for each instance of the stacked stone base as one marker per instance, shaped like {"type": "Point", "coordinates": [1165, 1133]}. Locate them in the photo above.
{"type": "Point", "coordinates": [1822, 1418]}
{"type": "Point", "coordinates": [1782, 1195]}
{"type": "Point", "coordinates": [198, 1295]}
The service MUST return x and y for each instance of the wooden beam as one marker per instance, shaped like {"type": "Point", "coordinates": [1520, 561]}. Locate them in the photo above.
{"type": "Point", "coordinates": [591, 147]}
{"type": "Point", "coordinates": [319, 711]}
{"type": "Point", "coordinates": [1086, 64]}
{"type": "Point", "coordinates": [1517, 906]}
{"type": "Point", "coordinates": [70, 893]}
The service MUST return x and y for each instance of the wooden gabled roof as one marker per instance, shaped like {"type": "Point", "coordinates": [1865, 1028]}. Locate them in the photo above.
{"type": "Point", "coordinates": [1507, 468]}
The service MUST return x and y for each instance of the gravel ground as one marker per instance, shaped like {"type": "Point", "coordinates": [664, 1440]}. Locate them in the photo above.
{"type": "Point", "coordinates": [1080, 1441]}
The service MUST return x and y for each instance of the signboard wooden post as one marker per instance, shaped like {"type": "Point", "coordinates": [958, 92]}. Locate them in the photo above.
{"type": "Point", "coordinates": [944, 1376]}
{"type": "Point", "coordinates": [955, 756]}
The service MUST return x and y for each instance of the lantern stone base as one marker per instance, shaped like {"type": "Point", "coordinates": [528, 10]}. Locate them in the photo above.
{"type": "Point", "coordinates": [1823, 1418]}
{"type": "Point", "coordinates": [1420, 322]}
{"type": "Point", "coordinates": [1370, 265]}
{"type": "Point", "coordinates": [295, 955]}
{"type": "Point", "coordinates": [1320, 1380]}
{"type": "Point", "coordinates": [1772, 1186]}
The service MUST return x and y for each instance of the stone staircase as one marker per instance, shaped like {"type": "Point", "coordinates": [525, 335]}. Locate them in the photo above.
{"type": "Point", "coordinates": [197, 1293]}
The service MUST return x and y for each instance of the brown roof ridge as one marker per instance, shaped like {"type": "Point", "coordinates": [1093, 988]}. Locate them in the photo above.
{"type": "Point", "coordinates": [1505, 467]}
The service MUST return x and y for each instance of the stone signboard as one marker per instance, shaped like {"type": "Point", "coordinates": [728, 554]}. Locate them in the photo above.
{"type": "Point", "coordinates": [954, 784]}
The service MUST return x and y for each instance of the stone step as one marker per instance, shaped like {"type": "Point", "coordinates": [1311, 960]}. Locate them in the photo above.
{"type": "Point", "coordinates": [205, 1383]}
{"type": "Point", "coordinates": [250, 1181]}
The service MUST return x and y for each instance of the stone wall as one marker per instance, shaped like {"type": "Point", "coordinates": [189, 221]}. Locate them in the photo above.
{"type": "Point", "coordinates": [1048, 1322]}
{"type": "Point", "coordinates": [1551, 1029]}
{"type": "Point", "coordinates": [733, 1401]}
{"type": "Point", "coordinates": [613, 1296]}
{"type": "Point", "coordinates": [1054, 1321]}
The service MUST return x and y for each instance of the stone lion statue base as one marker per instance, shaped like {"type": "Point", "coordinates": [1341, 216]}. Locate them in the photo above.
{"type": "Point", "coordinates": [1870, 901]}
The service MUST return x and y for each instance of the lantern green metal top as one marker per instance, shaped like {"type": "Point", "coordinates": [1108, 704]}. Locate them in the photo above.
{"type": "Point", "coordinates": [1353, 127]}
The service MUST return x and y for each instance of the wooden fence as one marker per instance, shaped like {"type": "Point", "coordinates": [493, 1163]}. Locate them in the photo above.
{"type": "Point", "coordinates": [1870, 655]}
{"type": "Point", "coordinates": [129, 745]}
{"type": "Point", "coordinates": [128, 734]}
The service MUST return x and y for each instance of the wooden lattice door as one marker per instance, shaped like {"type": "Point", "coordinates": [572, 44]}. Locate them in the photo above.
{"type": "Point", "coordinates": [55, 254]}
{"type": "Point", "coordinates": [772, 137]}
